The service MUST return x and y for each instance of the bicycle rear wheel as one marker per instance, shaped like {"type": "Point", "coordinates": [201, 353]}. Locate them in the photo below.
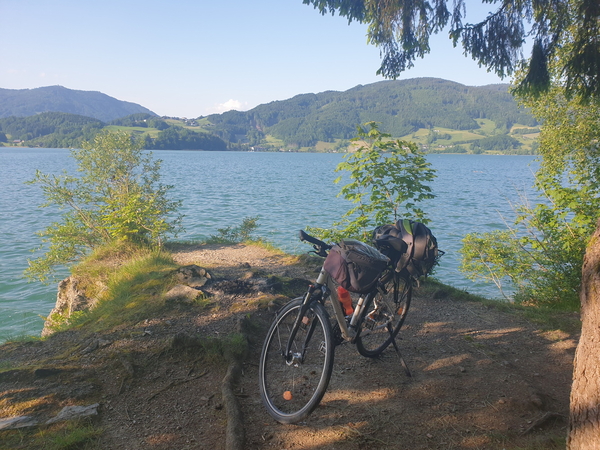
{"type": "Point", "coordinates": [292, 388]}
{"type": "Point", "coordinates": [386, 311]}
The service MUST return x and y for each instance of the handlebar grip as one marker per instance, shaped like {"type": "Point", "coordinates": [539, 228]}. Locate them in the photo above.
{"type": "Point", "coordinates": [304, 236]}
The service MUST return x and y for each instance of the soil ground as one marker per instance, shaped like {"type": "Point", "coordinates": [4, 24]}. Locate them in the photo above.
{"type": "Point", "coordinates": [482, 378]}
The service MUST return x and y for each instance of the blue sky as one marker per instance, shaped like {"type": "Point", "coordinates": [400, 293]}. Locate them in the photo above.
{"type": "Point", "coordinates": [190, 58]}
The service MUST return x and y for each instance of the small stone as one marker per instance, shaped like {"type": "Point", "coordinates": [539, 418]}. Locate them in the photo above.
{"type": "Point", "coordinates": [183, 294]}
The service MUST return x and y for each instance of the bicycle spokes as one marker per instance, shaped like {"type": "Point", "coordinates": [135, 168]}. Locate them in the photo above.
{"type": "Point", "coordinates": [387, 309]}
{"type": "Point", "coordinates": [292, 386]}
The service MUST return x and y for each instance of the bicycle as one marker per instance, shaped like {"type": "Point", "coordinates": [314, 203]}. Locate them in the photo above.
{"type": "Point", "coordinates": [296, 361]}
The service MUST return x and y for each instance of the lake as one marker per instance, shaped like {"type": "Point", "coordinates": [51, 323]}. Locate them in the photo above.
{"type": "Point", "coordinates": [287, 191]}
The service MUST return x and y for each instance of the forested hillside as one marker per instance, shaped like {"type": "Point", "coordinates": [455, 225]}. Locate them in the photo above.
{"type": "Point", "coordinates": [401, 107]}
{"type": "Point", "coordinates": [438, 115]}
{"type": "Point", "coordinates": [62, 130]}
{"type": "Point", "coordinates": [50, 129]}
{"type": "Point", "coordinates": [28, 102]}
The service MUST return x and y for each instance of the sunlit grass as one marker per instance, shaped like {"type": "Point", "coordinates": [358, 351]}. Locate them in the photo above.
{"type": "Point", "coordinates": [128, 283]}
{"type": "Point", "coordinates": [545, 318]}
{"type": "Point", "coordinates": [10, 408]}
{"type": "Point", "coordinates": [80, 435]}
{"type": "Point", "coordinates": [153, 132]}
{"type": "Point", "coordinates": [133, 293]}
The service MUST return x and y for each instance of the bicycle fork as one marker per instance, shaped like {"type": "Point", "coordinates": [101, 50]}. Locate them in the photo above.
{"type": "Point", "coordinates": [302, 319]}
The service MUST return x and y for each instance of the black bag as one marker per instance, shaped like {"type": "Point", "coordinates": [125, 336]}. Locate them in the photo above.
{"type": "Point", "coordinates": [410, 245]}
{"type": "Point", "coordinates": [355, 265]}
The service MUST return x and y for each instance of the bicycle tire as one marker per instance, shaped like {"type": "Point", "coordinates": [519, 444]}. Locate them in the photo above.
{"type": "Point", "coordinates": [291, 391]}
{"type": "Point", "coordinates": [383, 313]}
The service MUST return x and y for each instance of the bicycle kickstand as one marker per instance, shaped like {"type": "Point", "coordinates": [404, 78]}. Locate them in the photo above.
{"type": "Point", "coordinates": [404, 365]}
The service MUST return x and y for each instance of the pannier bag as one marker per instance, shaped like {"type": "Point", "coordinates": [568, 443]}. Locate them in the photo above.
{"type": "Point", "coordinates": [355, 265]}
{"type": "Point", "coordinates": [410, 245]}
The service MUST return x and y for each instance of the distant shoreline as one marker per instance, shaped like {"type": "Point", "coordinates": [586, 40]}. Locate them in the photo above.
{"type": "Point", "coordinates": [254, 151]}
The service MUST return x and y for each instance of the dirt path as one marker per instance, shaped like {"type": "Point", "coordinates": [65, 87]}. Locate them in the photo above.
{"type": "Point", "coordinates": [482, 378]}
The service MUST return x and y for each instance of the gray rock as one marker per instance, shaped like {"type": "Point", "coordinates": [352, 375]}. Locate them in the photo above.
{"type": "Point", "coordinates": [74, 413]}
{"type": "Point", "coordinates": [12, 423]}
{"type": "Point", "coordinates": [183, 294]}
{"type": "Point", "coordinates": [192, 275]}
{"type": "Point", "coordinates": [68, 300]}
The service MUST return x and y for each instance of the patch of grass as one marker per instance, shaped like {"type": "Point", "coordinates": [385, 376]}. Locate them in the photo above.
{"type": "Point", "coordinates": [18, 338]}
{"type": "Point", "coordinates": [436, 289]}
{"type": "Point", "coordinates": [128, 284]}
{"type": "Point", "coordinates": [173, 246]}
{"type": "Point", "coordinates": [265, 244]}
{"type": "Point", "coordinates": [546, 318]}
{"type": "Point", "coordinates": [271, 140]}
{"type": "Point", "coordinates": [153, 132]}
{"type": "Point", "coordinates": [310, 261]}
{"type": "Point", "coordinates": [94, 272]}
{"type": "Point", "coordinates": [80, 435]}
{"type": "Point", "coordinates": [322, 147]}
{"type": "Point", "coordinates": [133, 293]}
{"type": "Point", "coordinates": [264, 301]}
{"type": "Point", "coordinates": [72, 436]}
{"type": "Point", "coordinates": [11, 407]}
{"type": "Point", "coordinates": [5, 365]}
{"type": "Point", "coordinates": [549, 319]}
{"type": "Point", "coordinates": [203, 302]}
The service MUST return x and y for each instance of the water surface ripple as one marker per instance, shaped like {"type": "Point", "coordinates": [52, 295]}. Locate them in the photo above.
{"type": "Point", "coordinates": [287, 191]}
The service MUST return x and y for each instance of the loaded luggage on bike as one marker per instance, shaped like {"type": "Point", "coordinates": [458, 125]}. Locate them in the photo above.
{"type": "Point", "coordinates": [355, 265]}
{"type": "Point", "coordinates": [410, 245]}
{"type": "Point", "coordinates": [296, 361]}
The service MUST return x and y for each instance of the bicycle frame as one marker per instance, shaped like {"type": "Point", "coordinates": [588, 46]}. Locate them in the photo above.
{"type": "Point", "coordinates": [324, 288]}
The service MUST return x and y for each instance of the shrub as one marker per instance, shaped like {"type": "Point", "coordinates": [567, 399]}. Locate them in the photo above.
{"type": "Point", "coordinates": [118, 197]}
{"type": "Point", "coordinates": [385, 176]}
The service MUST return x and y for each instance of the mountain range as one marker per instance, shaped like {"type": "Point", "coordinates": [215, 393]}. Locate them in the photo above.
{"type": "Point", "coordinates": [425, 110]}
{"type": "Point", "coordinates": [29, 102]}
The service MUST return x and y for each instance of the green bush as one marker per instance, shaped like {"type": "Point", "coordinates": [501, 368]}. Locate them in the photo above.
{"type": "Point", "coordinates": [542, 253]}
{"type": "Point", "coordinates": [117, 197]}
{"type": "Point", "coordinates": [388, 178]}
{"type": "Point", "coordinates": [234, 235]}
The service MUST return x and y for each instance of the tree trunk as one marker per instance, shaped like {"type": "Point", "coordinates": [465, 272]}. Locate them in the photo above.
{"type": "Point", "coordinates": [584, 420]}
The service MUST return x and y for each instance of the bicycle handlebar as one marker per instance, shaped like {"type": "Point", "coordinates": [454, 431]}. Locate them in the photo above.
{"type": "Point", "coordinates": [319, 246]}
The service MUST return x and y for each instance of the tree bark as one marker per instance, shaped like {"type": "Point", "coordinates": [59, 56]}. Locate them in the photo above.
{"type": "Point", "coordinates": [584, 420]}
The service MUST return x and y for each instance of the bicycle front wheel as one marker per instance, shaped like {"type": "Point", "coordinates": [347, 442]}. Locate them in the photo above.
{"type": "Point", "coordinates": [291, 387]}
{"type": "Point", "coordinates": [386, 312]}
